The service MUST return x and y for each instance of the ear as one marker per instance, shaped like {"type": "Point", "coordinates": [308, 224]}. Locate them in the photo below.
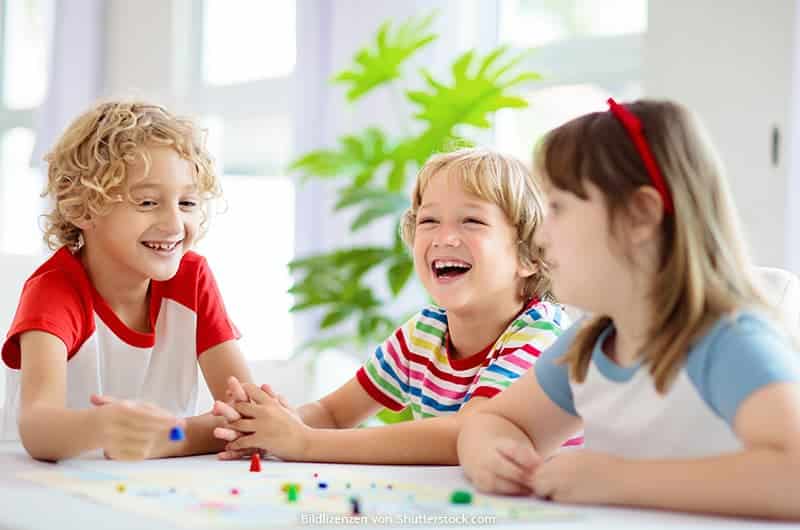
{"type": "Point", "coordinates": [527, 272]}
{"type": "Point", "coordinates": [645, 213]}
{"type": "Point", "coordinates": [84, 223]}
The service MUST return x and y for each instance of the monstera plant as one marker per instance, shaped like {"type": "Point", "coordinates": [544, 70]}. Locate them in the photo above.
{"type": "Point", "coordinates": [375, 167]}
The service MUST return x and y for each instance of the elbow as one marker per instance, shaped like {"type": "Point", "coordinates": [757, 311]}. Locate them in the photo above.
{"type": "Point", "coordinates": [32, 442]}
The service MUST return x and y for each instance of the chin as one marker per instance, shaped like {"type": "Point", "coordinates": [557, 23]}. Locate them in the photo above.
{"type": "Point", "coordinates": [163, 274]}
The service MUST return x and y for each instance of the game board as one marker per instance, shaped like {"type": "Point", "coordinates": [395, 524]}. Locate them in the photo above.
{"type": "Point", "coordinates": [237, 498]}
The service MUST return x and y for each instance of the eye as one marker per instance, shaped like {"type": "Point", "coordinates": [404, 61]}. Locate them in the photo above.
{"type": "Point", "coordinates": [426, 220]}
{"type": "Point", "coordinates": [474, 220]}
{"type": "Point", "coordinates": [146, 203]}
{"type": "Point", "coordinates": [188, 204]}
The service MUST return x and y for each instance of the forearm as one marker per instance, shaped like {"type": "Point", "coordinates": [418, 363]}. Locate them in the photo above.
{"type": "Point", "coordinates": [316, 415]}
{"type": "Point", "coordinates": [480, 429]}
{"type": "Point", "coordinates": [56, 433]}
{"type": "Point", "coordinates": [198, 440]}
{"type": "Point", "coordinates": [756, 482]}
{"type": "Point", "coordinates": [425, 442]}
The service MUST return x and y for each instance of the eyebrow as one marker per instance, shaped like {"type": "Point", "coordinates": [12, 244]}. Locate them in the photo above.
{"type": "Point", "coordinates": [153, 186]}
{"type": "Point", "coordinates": [468, 205]}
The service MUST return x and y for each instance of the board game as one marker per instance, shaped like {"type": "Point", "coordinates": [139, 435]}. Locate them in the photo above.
{"type": "Point", "coordinates": [281, 497]}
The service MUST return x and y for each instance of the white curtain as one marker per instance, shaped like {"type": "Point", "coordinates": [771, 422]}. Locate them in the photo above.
{"type": "Point", "coordinates": [75, 69]}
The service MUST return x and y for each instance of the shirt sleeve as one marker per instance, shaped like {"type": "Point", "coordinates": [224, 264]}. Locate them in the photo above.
{"type": "Point", "coordinates": [213, 324]}
{"type": "Point", "coordinates": [553, 377]}
{"type": "Point", "coordinates": [745, 356]}
{"type": "Point", "coordinates": [527, 344]}
{"type": "Point", "coordinates": [386, 374]}
{"type": "Point", "coordinates": [49, 303]}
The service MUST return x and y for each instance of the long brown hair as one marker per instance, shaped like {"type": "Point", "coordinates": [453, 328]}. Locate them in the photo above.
{"type": "Point", "coordinates": [705, 272]}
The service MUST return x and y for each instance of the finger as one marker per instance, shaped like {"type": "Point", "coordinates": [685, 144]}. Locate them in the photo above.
{"type": "Point", "coordinates": [542, 486]}
{"type": "Point", "coordinates": [231, 455]}
{"type": "Point", "coordinates": [510, 470]}
{"type": "Point", "coordinates": [226, 411]}
{"type": "Point", "coordinates": [255, 393]}
{"type": "Point", "coordinates": [245, 442]}
{"type": "Point", "coordinates": [282, 400]}
{"type": "Point", "coordinates": [251, 410]}
{"type": "Point", "coordinates": [226, 434]}
{"type": "Point", "coordinates": [99, 400]}
{"type": "Point", "coordinates": [525, 457]}
{"type": "Point", "coordinates": [489, 482]}
{"type": "Point", "coordinates": [243, 426]}
{"type": "Point", "coordinates": [235, 388]}
{"type": "Point", "coordinates": [269, 391]}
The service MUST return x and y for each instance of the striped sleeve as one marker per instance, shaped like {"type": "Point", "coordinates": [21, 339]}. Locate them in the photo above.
{"type": "Point", "coordinates": [524, 340]}
{"type": "Point", "coordinates": [385, 375]}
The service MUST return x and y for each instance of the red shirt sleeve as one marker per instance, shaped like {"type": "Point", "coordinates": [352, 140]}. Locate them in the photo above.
{"type": "Point", "coordinates": [213, 324]}
{"type": "Point", "coordinates": [50, 303]}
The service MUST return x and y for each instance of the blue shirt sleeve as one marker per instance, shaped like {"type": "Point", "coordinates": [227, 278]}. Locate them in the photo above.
{"type": "Point", "coordinates": [738, 357]}
{"type": "Point", "coordinates": [554, 377]}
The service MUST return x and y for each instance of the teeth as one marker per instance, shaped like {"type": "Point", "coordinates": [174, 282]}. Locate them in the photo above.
{"type": "Point", "coordinates": [438, 264]}
{"type": "Point", "coordinates": [161, 246]}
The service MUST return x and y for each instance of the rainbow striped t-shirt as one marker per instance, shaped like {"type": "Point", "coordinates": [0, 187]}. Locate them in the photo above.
{"type": "Point", "coordinates": [413, 368]}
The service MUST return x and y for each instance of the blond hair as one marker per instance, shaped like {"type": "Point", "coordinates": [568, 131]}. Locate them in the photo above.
{"type": "Point", "coordinates": [88, 166]}
{"type": "Point", "coordinates": [705, 272]}
{"type": "Point", "coordinates": [499, 179]}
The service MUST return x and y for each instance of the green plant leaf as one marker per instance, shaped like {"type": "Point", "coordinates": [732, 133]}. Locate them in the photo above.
{"type": "Point", "coordinates": [334, 317]}
{"type": "Point", "coordinates": [375, 66]}
{"type": "Point", "coordinates": [399, 273]}
{"type": "Point", "coordinates": [374, 196]}
{"type": "Point", "coordinates": [478, 89]}
{"type": "Point", "coordinates": [358, 156]}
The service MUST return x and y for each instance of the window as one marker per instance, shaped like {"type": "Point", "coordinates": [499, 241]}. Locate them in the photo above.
{"type": "Point", "coordinates": [586, 51]}
{"type": "Point", "coordinates": [261, 34]}
{"type": "Point", "coordinates": [540, 22]}
{"type": "Point", "coordinates": [26, 29]}
{"type": "Point", "coordinates": [245, 108]}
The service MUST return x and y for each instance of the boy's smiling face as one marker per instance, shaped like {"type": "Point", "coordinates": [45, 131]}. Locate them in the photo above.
{"type": "Point", "coordinates": [465, 249]}
{"type": "Point", "coordinates": [146, 237]}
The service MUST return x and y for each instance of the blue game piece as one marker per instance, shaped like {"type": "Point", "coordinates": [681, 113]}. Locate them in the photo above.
{"type": "Point", "coordinates": [323, 485]}
{"type": "Point", "coordinates": [176, 434]}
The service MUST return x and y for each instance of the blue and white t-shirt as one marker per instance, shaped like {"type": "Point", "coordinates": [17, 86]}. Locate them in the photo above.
{"type": "Point", "coordinates": [624, 415]}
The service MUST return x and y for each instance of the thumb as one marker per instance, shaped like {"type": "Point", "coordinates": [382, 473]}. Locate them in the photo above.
{"type": "Point", "coordinates": [99, 400]}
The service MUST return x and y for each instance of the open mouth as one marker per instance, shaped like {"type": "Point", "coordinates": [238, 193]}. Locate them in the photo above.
{"type": "Point", "coordinates": [162, 246]}
{"type": "Point", "coordinates": [450, 268]}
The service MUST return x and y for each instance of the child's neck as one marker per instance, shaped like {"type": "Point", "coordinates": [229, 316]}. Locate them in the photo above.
{"type": "Point", "coordinates": [631, 328]}
{"type": "Point", "coordinates": [127, 294]}
{"type": "Point", "coordinates": [472, 330]}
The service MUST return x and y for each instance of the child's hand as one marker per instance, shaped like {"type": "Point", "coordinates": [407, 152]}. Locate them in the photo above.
{"type": "Point", "coordinates": [130, 431]}
{"type": "Point", "coordinates": [578, 476]}
{"type": "Point", "coordinates": [268, 424]}
{"type": "Point", "coordinates": [236, 393]}
{"type": "Point", "coordinates": [505, 467]}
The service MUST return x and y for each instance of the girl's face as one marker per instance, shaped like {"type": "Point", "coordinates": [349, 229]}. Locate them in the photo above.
{"type": "Point", "coordinates": [465, 250]}
{"type": "Point", "coordinates": [586, 266]}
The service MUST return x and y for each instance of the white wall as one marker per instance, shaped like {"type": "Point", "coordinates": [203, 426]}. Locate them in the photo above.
{"type": "Point", "coordinates": [731, 62]}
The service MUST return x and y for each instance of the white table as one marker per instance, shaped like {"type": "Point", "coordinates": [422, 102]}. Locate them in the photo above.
{"type": "Point", "coordinates": [25, 505]}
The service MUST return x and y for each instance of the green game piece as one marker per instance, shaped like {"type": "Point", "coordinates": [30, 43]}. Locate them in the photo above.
{"type": "Point", "coordinates": [461, 497]}
{"type": "Point", "coordinates": [291, 494]}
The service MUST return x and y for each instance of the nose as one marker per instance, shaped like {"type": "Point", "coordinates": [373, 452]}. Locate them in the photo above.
{"type": "Point", "coordinates": [446, 235]}
{"type": "Point", "coordinates": [170, 220]}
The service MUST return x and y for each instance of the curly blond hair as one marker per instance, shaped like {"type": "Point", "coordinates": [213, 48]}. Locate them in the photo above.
{"type": "Point", "coordinates": [88, 167]}
{"type": "Point", "coordinates": [504, 181]}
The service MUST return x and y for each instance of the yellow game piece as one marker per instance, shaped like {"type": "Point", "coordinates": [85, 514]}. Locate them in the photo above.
{"type": "Point", "coordinates": [121, 488]}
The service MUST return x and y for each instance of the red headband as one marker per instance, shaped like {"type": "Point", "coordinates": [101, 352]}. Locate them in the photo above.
{"type": "Point", "coordinates": [634, 128]}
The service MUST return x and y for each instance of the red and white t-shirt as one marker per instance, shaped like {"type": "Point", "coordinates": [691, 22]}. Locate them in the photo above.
{"type": "Point", "coordinates": [105, 356]}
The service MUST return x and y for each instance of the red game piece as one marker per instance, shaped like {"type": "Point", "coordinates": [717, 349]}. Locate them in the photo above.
{"type": "Point", "coordinates": [255, 463]}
